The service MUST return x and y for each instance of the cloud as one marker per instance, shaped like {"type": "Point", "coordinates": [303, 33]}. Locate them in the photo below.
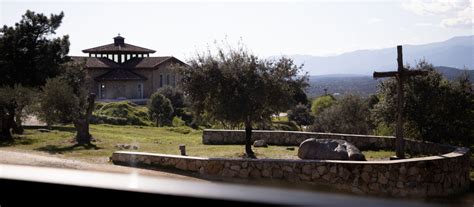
{"type": "Point", "coordinates": [463, 19]}
{"type": "Point", "coordinates": [455, 13]}
{"type": "Point", "coordinates": [425, 24]}
{"type": "Point", "coordinates": [374, 21]}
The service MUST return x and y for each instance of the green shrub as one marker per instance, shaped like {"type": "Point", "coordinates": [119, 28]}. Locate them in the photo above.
{"type": "Point", "coordinates": [121, 113]}
{"type": "Point", "coordinates": [160, 110]}
{"type": "Point", "coordinates": [177, 122]}
{"type": "Point", "coordinates": [321, 103]}
{"type": "Point", "coordinates": [349, 115]}
{"type": "Point", "coordinates": [301, 115]}
{"type": "Point", "coordinates": [99, 105]}
{"type": "Point", "coordinates": [101, 119]}
{"type": "Point", "coordinates": [383, 130]}
{"type": "Point", "coordinates": [285, 125]}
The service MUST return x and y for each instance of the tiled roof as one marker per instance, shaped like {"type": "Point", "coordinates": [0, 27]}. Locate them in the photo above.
{"type": "Point", "coordinates": [123, 71]}
{"type": "Point", "coordinates": [143, 63]}
{"type": "Point", "coordinates": [96, 62]}
{"type": "Point", "coordinates": [119, 74]}
{"type": "Point", "coordinates": [148, 62]}
{"type": "Point", "coordinates": [114, 48]}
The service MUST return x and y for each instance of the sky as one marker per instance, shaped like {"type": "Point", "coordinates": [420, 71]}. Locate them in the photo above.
{"type": "Point", "coordinates": [268, 28]}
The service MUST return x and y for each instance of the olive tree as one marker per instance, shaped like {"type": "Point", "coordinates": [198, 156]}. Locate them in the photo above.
{"type": "Point", "coordinates": [15, 102]}
{"type": "Point", "coordinates": [65, 100]}
{"type": "Point", "coordinates": [238, 87]}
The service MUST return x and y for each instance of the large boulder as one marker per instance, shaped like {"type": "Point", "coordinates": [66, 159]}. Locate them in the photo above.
{"type": "Point", "coordinates": [329, 149]}
{"type": "Point", "coordinates": [260, 143]}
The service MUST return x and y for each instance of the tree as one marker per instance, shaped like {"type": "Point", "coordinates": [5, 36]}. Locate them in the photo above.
{"type": "Point", "coordinates": [301, 115]}
{"type": "Point", "coordinates": [65, 100]}
{"type": "Point", "coordinates": [349, 115]}
{"type": "Point", "coordinates": [57, 101]}
{"type": "Point", "coordinates": [24, 98]}
{"type": "Point", "coordinates": [238, 87]}
{"type": "Point", "coordinates": [176, 96]}
{"type": "Point", "coordinates": [28, 56]}
{"type": "Point", "coordinates": [319, 104]}
{"type": "Point", "coordinates": [300, 96]}
{"type": "Point", "coordinates": [14, 102]}
{"type": "Point", "coordinates": [160, 109]}
{"type": "Point", "coordinates": [435, 109]}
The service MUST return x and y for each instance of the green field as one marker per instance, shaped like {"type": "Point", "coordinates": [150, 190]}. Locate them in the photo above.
{"type": "Point", "coordinates": [164, 140]}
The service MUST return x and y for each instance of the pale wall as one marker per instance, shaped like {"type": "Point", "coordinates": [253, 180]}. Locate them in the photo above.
{"type": "Point", "coordinates": [151, 85]}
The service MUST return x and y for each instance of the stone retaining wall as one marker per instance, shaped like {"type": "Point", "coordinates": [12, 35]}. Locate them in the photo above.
{"type": "Point", "coordinates": [428, 176]}
{"type": "Point", "coordinates": [444, 174]}
{"type": "Point", "coordinates": [294, 138]}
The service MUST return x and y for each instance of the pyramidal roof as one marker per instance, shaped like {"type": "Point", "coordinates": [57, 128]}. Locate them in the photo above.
{"type": "Point", "coordinates": [119, 47]}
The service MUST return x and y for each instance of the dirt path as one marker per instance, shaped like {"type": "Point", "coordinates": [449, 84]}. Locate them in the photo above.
{"type": "Point", "coordinates": [40, 160]}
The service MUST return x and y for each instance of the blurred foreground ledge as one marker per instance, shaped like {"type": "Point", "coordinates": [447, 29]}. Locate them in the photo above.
{"type": "Point", "coordinates": [38, 185]}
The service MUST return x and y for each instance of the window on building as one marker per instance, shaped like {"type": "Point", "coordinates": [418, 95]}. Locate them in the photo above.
{"type": "Point", "coordinates": [140, 90]}
{"type": "Point", "coordinates": [161, 81]}
{"type": "Point", "coordinates": [167, 79]}
{"type": "Point", "coordinates": [174, 80]}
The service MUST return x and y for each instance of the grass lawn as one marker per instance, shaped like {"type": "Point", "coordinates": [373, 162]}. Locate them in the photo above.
{"type": "Point", "coordinates": [148, 139]}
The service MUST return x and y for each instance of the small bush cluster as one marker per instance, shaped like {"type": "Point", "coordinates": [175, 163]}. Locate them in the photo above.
{"type": "Point", "coordinates": [102, 119]}
{"type": "Point", "coordinates": [121, 113]}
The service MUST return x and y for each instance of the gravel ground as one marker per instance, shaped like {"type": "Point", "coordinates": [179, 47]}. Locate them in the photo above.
{"type": "Point", "coordinates": [45, 160]}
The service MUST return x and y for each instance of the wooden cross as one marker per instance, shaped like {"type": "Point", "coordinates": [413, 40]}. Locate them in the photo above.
{"type": "Point", "coordinates": [401, 74]}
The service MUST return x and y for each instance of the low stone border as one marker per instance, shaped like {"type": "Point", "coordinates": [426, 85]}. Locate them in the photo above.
{"type": "Point", "coordinates": [428, 176]}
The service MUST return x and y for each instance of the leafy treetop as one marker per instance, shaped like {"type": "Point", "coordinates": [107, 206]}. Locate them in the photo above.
{"type": "Point", "coordinates": [28, 54]}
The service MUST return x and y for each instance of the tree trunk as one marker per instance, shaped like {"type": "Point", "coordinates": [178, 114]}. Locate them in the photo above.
{"type": "Point", "coordinates": [248, 140]}
{"type": "Point", "coordinates": [5, 126]}
{"type": "Point", "coordinates": [159, 121]}
{"type": "Point", "coordinates": [17, 125]}
{"type": "Point", "coordinates": [83, 137]}
{"type": "Point", "coordinates": [5, 132]}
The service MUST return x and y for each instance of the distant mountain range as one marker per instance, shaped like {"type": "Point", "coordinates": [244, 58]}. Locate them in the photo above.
{"type": "Point", "coordinates": [364, 85]}
{"type": "Point", "coordinates": [457, 52]}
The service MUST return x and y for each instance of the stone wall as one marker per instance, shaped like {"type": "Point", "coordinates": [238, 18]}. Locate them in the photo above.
{"type": "Point", "coordinates": [294, 138]}
{"type": "Point", "coordinates": [445, 173]}
{"type": "Point", "coordinates": [417, 177]}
